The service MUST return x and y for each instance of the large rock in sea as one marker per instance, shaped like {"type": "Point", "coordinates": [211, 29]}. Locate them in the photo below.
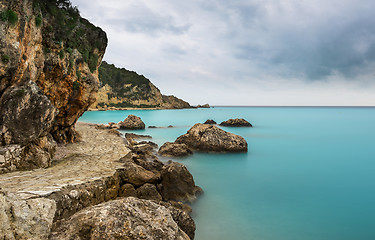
{"type": "Point", "coordinates": [205, 137]}
{"type": "Point", "coordinates": [132, 122]}
{"type": "Point", "coordinates": [170, 149]}
{"type": "Point", "coordinates": [237, 122]}
{"type": "Point", "coordinates": [127, 218]}
{"type": "Point", "coordinates": [177, 183]}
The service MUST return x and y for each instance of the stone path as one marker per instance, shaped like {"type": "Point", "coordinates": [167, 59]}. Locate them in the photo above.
{"type": "Point", "coordinates": [92, 159]}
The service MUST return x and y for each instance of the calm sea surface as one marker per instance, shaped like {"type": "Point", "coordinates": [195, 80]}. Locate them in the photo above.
{"type": "Point", "coordinates": [309, 172]}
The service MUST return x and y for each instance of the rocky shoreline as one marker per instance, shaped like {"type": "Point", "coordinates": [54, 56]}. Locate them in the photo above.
{"type": "Point", "coordinates": [40, 203]}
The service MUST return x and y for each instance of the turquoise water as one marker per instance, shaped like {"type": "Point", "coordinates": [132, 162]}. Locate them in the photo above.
{"type": "Point", "coordinates": [309, 172]}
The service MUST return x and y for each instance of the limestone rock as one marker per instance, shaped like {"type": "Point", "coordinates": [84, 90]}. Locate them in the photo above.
{"type": "Point", "coordinates": [26, 114]}
{"type": "Point", "coordinates": [209, 121]}
{"type": "Point", "coordinates": [127, 218]}
{"type": "Point", "coordinates": [204, 137]}
{"type": "Point", "coordinates": [127, 190]}
{"type": "Point", "coordinates": [149, 192]}
{"type": "Point", "coordinates": [132, 122]}
{"type": "Point", "coordinates": [137, 175]}
{"type": "Point", "coordinates": [237, 122]}
{"type": "Point", "coordinates": [46, 85]}
{"type": "Point", "coordinates": [177, 183]}
{"type": "Point", "coordinates": [182, 218]}
{"type": "Point", "coordinates": [169, 149]}
{"type": "Point", "coordinates": [25, 219]}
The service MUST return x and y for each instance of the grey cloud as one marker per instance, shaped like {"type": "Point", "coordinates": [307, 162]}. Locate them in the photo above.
{"type": "Point", "coordinates": [173, 50]}
{"type": "Point", "coordinates": [344, 46]}
{"type": "Point", "coordinates": [141, 19]}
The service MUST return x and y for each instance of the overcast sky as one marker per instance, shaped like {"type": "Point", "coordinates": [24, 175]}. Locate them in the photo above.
{"type": "Point", "coordinates": [245, 52]}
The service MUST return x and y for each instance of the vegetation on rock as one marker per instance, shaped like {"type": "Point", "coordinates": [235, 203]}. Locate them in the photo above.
{"type": "Point", "coordinates": [9, 16]}
{"type": "Point", "coordinates": [122, 88]}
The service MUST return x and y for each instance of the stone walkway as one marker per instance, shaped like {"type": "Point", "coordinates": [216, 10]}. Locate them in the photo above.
{"type": "Point", "coordinates": [92, 159]}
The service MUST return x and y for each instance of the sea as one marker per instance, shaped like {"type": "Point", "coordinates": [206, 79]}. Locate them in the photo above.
{"type": "Point", "coordinates": [309, 173]}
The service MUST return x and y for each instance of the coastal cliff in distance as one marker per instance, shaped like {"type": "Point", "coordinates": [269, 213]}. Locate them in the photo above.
{"type": "Point", "coordinates": [48, 78]}
{"type": "Point", "coordinates": [121, 88]}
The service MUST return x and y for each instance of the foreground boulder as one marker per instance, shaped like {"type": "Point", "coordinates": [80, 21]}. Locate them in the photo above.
{"type": "Point", "coordinates": [26, 117]}
{"type": "Point", "coordinates": [205, 137]}
{"type": "Point", "coordinates": [127, 218]}
{"type": "Point", "coordinates": [25, 219]}
{"type": "Point", "coordinates": [132, 122]}
{"type": "Point", "coordinates": [237, 122]}
{"type": "Point", "coordinates": [169, 149]}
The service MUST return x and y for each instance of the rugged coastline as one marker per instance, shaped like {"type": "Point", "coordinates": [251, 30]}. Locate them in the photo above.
{"type": "Point", "coordinates": [83, 174]}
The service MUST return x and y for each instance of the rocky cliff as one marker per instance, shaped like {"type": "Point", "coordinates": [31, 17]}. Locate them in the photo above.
{"type": "Point", "coordinates": [48, 78]}
{"type": "Point", "coordinates": [121, 88]}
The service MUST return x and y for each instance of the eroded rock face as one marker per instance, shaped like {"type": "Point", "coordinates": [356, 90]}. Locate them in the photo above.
{"type": "Point", "coordinates": [132, 122]}
{"type": "Point", "coordinates": [204, 137]}
{"type": "Point", "coordinates": [170, 149]}
{"type": "Point", "coordinates": [237, 122]}
{"type": "Point", "coordinates": [25, 219]}
{"type": "Point", "coordinates": [26, 114]}
{"type": "Point", "coordinates": [26, 117]}
{"type": "Point", "coordinates": [47, 81]}
{"type": "Point", "coordinates": [127, 218]}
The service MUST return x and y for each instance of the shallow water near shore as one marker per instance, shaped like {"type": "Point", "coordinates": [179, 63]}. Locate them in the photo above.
{"type": "Point", "coordinates": [309, 172]}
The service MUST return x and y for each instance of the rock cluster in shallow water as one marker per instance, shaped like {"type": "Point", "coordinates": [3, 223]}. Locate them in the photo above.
{"type": "Point", "coordinates": [209, 138]}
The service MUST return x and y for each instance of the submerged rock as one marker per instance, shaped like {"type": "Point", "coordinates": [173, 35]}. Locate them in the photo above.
{"type": "Point", "coordinates": [132, 122]}
{"type": "Point", "coordinates": [237, 122]}
{"type": "Point", "coordinates": [127, 218]}
{"type": "Point", "coordinates": [204, 137]}
{"type": "Point", "coordinates": [169, 149]}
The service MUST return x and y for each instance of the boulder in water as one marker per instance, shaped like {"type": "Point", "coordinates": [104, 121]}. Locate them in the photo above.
{"type": "Point", "coordinates": [205, 137]}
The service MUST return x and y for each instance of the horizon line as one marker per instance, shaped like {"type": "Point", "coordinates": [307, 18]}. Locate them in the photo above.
{"type": "Point", "coordinates": [328, 106]}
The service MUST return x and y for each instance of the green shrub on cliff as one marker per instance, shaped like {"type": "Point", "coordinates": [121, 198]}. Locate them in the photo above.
{"type": "Point", "coordinates": [61, 54]}
{"type": "Point", "coordinates": [5, 59]}
{"type": "Point", "coordinates": [9, 16]}
{"type": "Point", "coordinates": [66, 26]}
{"type": "Point", "coordinates": [118, 77]}
{"type": "Point", "coordinates": [38, 21]}
{"type": "Point", "coordinates": [93, 61]}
